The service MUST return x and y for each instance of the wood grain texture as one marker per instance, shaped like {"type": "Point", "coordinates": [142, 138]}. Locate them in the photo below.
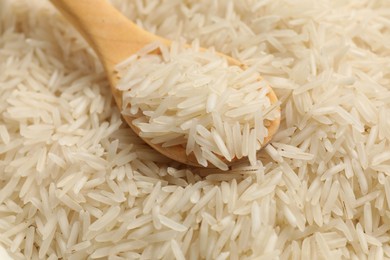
{"type": "Point", "coordinates": [114, 38]}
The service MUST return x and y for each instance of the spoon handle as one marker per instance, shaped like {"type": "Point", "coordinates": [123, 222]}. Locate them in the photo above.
{"type": "Point", "coordinates": [109, 33]}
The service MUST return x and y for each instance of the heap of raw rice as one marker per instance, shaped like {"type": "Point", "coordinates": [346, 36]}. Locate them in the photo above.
{"type": "Point", "coordinates": [197, 100]}
{"type": "Point", "coordinates": [76, 183]}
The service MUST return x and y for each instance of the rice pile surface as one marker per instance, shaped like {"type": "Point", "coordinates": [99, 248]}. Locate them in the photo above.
{"type": "Point", "coordinates": [76, 183]}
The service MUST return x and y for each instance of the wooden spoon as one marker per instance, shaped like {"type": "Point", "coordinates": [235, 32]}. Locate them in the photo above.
{"type": "Point", "coordinates": [114, 38]}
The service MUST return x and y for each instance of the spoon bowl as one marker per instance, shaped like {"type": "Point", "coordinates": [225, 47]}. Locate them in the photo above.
{"type": "Point", "coordinates": [114, 38]}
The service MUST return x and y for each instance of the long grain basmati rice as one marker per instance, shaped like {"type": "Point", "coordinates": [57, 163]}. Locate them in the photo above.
{"type": "Point", "coordinates": [76, 183]}
{"type": "Point", "coordinates": [206, 91]}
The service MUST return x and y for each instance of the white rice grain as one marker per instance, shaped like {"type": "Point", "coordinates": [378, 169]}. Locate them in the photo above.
{"type": "Point", "coordinates": [176, 250]}
{"type": "Point", "coordinates": [106, 219]}
{"type": "Point", "coordinates": [172, 224]}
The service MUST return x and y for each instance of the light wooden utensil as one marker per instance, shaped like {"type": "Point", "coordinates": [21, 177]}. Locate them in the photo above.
{"type": "Point", "coordinates": [114, 38]}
